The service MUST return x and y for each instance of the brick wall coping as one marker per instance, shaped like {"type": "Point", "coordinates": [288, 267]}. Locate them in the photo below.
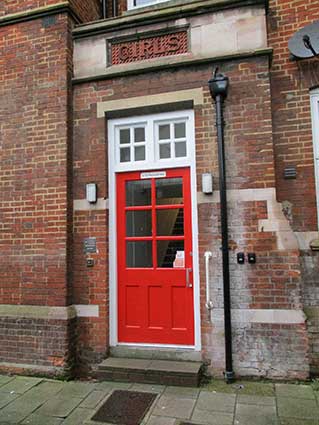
{"type": "Point", "coordinates": [37, 13]}
{"type": "Point", "coordinates": [167, 63]}
{"type": "Point", "coordinates": [163, 13]}
{"type": "Point", "coordinates": [48, 312]}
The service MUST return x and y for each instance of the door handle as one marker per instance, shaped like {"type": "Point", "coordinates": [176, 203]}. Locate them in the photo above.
{"type": "Point", "coordinates": [208, 255]}
{"type": "Point", "coordinates": [188, 282]}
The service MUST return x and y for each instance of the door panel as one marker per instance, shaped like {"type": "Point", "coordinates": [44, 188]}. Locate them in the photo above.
{"type": "Point", "coordinates": [154, 239]}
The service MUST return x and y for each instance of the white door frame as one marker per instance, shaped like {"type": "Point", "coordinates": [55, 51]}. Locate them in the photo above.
{"type": "Point", "coordinates": [115, 167]}
{"type": "Point", "coordinates": [314, 98]}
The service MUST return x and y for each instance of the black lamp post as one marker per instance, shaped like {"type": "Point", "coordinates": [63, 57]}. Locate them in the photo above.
{"type": "Point", "coordinates": [218, 87]}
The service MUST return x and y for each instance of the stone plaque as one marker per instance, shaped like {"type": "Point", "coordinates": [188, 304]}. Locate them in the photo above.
{"type": "Point", "coordinates": [149, 47]}
{"type": "Point", "coordinates": [90, 245]}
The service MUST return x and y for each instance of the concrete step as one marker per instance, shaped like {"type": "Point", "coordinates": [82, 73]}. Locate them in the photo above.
{"type": "Point", "coordinates": [150, 353]}
{"type": "Point", "coordinates": [148, 371]}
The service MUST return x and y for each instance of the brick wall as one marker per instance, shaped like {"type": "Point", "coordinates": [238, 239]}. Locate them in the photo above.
{"type": "Point", "coordinates": [274, 282]}
{"type": "Point", "coordinates": [291, 81]}
{"type": "Point", "coordinates": [33, 176]}
{"type": "Point", "coordinates": [38, 342]}
{"type": "Point", "coordinates": [87, 10]}
{"type": "Point", "coordinates": [36, 192]}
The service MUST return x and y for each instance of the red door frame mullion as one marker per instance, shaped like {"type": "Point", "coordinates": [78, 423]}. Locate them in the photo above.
{"type": "Point", "coordinates": [154, 224]}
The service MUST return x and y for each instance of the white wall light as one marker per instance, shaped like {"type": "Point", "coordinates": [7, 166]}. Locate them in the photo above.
{"type": "Point", "coordinates": [207, 183]}
{"type": "Point", "coordinates": [91, 193]}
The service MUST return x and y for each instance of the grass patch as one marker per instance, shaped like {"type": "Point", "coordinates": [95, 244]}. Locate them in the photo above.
{"type": "Point", "coordinates": [315, 384]}
{"type": "Point", "coordinates": [265, 389]}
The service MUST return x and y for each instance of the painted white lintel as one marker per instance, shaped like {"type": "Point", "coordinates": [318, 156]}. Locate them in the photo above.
{"type": "Point", "coordinates": [157, 99]}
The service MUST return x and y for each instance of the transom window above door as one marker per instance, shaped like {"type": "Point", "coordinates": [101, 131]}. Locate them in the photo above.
{"type": "Point", "coordinates": [133, 4]}
{"type": "Point", "coordinates": [142, 142]}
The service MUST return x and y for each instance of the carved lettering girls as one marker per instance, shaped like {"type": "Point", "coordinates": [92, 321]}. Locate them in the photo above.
{"type": "Point", "coordinates": [149, 48]}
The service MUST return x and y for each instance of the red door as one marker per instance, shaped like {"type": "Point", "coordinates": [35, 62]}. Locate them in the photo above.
{"type": "Point", "coordinates": [154, 240]}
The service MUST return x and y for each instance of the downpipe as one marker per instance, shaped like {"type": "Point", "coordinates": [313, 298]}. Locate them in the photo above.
{"type": "Point", "coordinates": [218, 87]}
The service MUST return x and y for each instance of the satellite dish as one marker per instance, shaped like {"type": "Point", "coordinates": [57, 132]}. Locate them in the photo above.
{"type": "Point", "coordinates": [305, 43]}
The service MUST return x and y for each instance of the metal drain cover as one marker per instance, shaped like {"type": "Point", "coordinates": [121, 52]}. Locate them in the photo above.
{"type": "Point", "coordinates": [125, 407]}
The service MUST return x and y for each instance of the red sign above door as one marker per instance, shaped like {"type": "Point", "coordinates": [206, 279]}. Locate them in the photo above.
{"type": "Point", "coordinates": [149, 47]}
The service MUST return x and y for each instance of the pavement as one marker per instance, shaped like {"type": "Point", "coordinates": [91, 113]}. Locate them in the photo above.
{"type": "Point", "coordinates": [39, 401]}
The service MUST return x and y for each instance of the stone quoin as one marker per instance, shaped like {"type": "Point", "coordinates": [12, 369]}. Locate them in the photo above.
{"type": "Point", "coordinates": [110, 244]}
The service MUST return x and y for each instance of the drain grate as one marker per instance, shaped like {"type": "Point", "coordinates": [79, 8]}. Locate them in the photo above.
{"type": "Point", "coordinates": [125, 407]}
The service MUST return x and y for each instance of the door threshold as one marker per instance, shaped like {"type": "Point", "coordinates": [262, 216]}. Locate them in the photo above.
{"type": "Point", "coordinates": [156, 352]}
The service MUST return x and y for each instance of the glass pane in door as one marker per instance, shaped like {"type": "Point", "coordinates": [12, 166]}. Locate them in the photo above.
{"type": "Point", "coordinates": [169, 191]}
{"type": "Point", "coordinates": [170, 254]}
{"type": "Point", "coordinates": [170, 222]}
{"type": "Point", "coordinates": [139, 254]}
{"type": "Point", "coordinates": [138, 193]}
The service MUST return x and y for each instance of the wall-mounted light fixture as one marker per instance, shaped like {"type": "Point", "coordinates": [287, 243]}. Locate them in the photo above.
{"type": "Point", "coordinates": [207, 183]}
{"type": "Point", "coordinates": [91, 193]}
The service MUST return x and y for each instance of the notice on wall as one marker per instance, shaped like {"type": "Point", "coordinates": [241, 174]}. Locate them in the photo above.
{"type": "Point", "coordinates": [89, 245]}
{"type": "Point", "coordinates": [179, 260]}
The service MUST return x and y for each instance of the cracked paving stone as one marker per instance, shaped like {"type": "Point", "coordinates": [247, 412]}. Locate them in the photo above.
{"type": "Point", "coordinates": [6, 398]}
{"type": "Point", "coordinates": [259, 401]}
{"type": "Point", "coordinates": [36, 419]}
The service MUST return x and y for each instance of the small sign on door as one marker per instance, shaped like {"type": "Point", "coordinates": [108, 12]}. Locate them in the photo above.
{"type": "Point", "coordinates": [179, 260]}
{"type": "Point", "coordinates": [153, 175]}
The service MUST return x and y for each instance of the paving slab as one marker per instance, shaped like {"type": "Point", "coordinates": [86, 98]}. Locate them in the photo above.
{"type": "Point", "coordinates": [216, 402]}
{"type": "Point", "coordinates": [45, 390]}
{"type": "Point", "coordinates": [6, 398]}
{"type": "Point", "coordinates": [20, 384]}
{"type": "Point", "coordinates": [4, 379]}
{"type": "Point", "coordinates": [78, 417]}
{"type": "Point", "coordinates": [256, 400]}
{"type": "Point", "coordinates": [25, 404]}
{"type": "Point", "coordinates": [93, 399]}
{"type": "Point", "coordinates": [17, 411]}
{"type": "Point", "coordinates": [183, 392]}
{"type": "Point", "coordinates": [157, 420]}
{"type": "Point", "coordinates": [295, 391]}
{"type": "Point", "coordinates": [76, 389]}
{"type": "Point", "coordinates": [212, 418]}
{"type": "Point", "coordinates": [297, 408]}
{"type": "Point", "coordinates": [58, 407]}
{"type": "Point", "coordinates": [252, 410]}
{"type": "Point", "coordinates": [257, 420]}
{"type": "Point", "coordinates": [110, 386]}
{"type": "Point", "coordinates": [175, 407]}
{"type": "Point", "coordinates": [36, 419]}
{"type": "Point", "coordinates": [149, 388]}
{"type": "Point", "coordinates": [292, 421]}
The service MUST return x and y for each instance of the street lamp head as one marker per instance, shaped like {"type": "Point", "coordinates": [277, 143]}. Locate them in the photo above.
{"type": "Point", "coordinates": [218, 85]}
